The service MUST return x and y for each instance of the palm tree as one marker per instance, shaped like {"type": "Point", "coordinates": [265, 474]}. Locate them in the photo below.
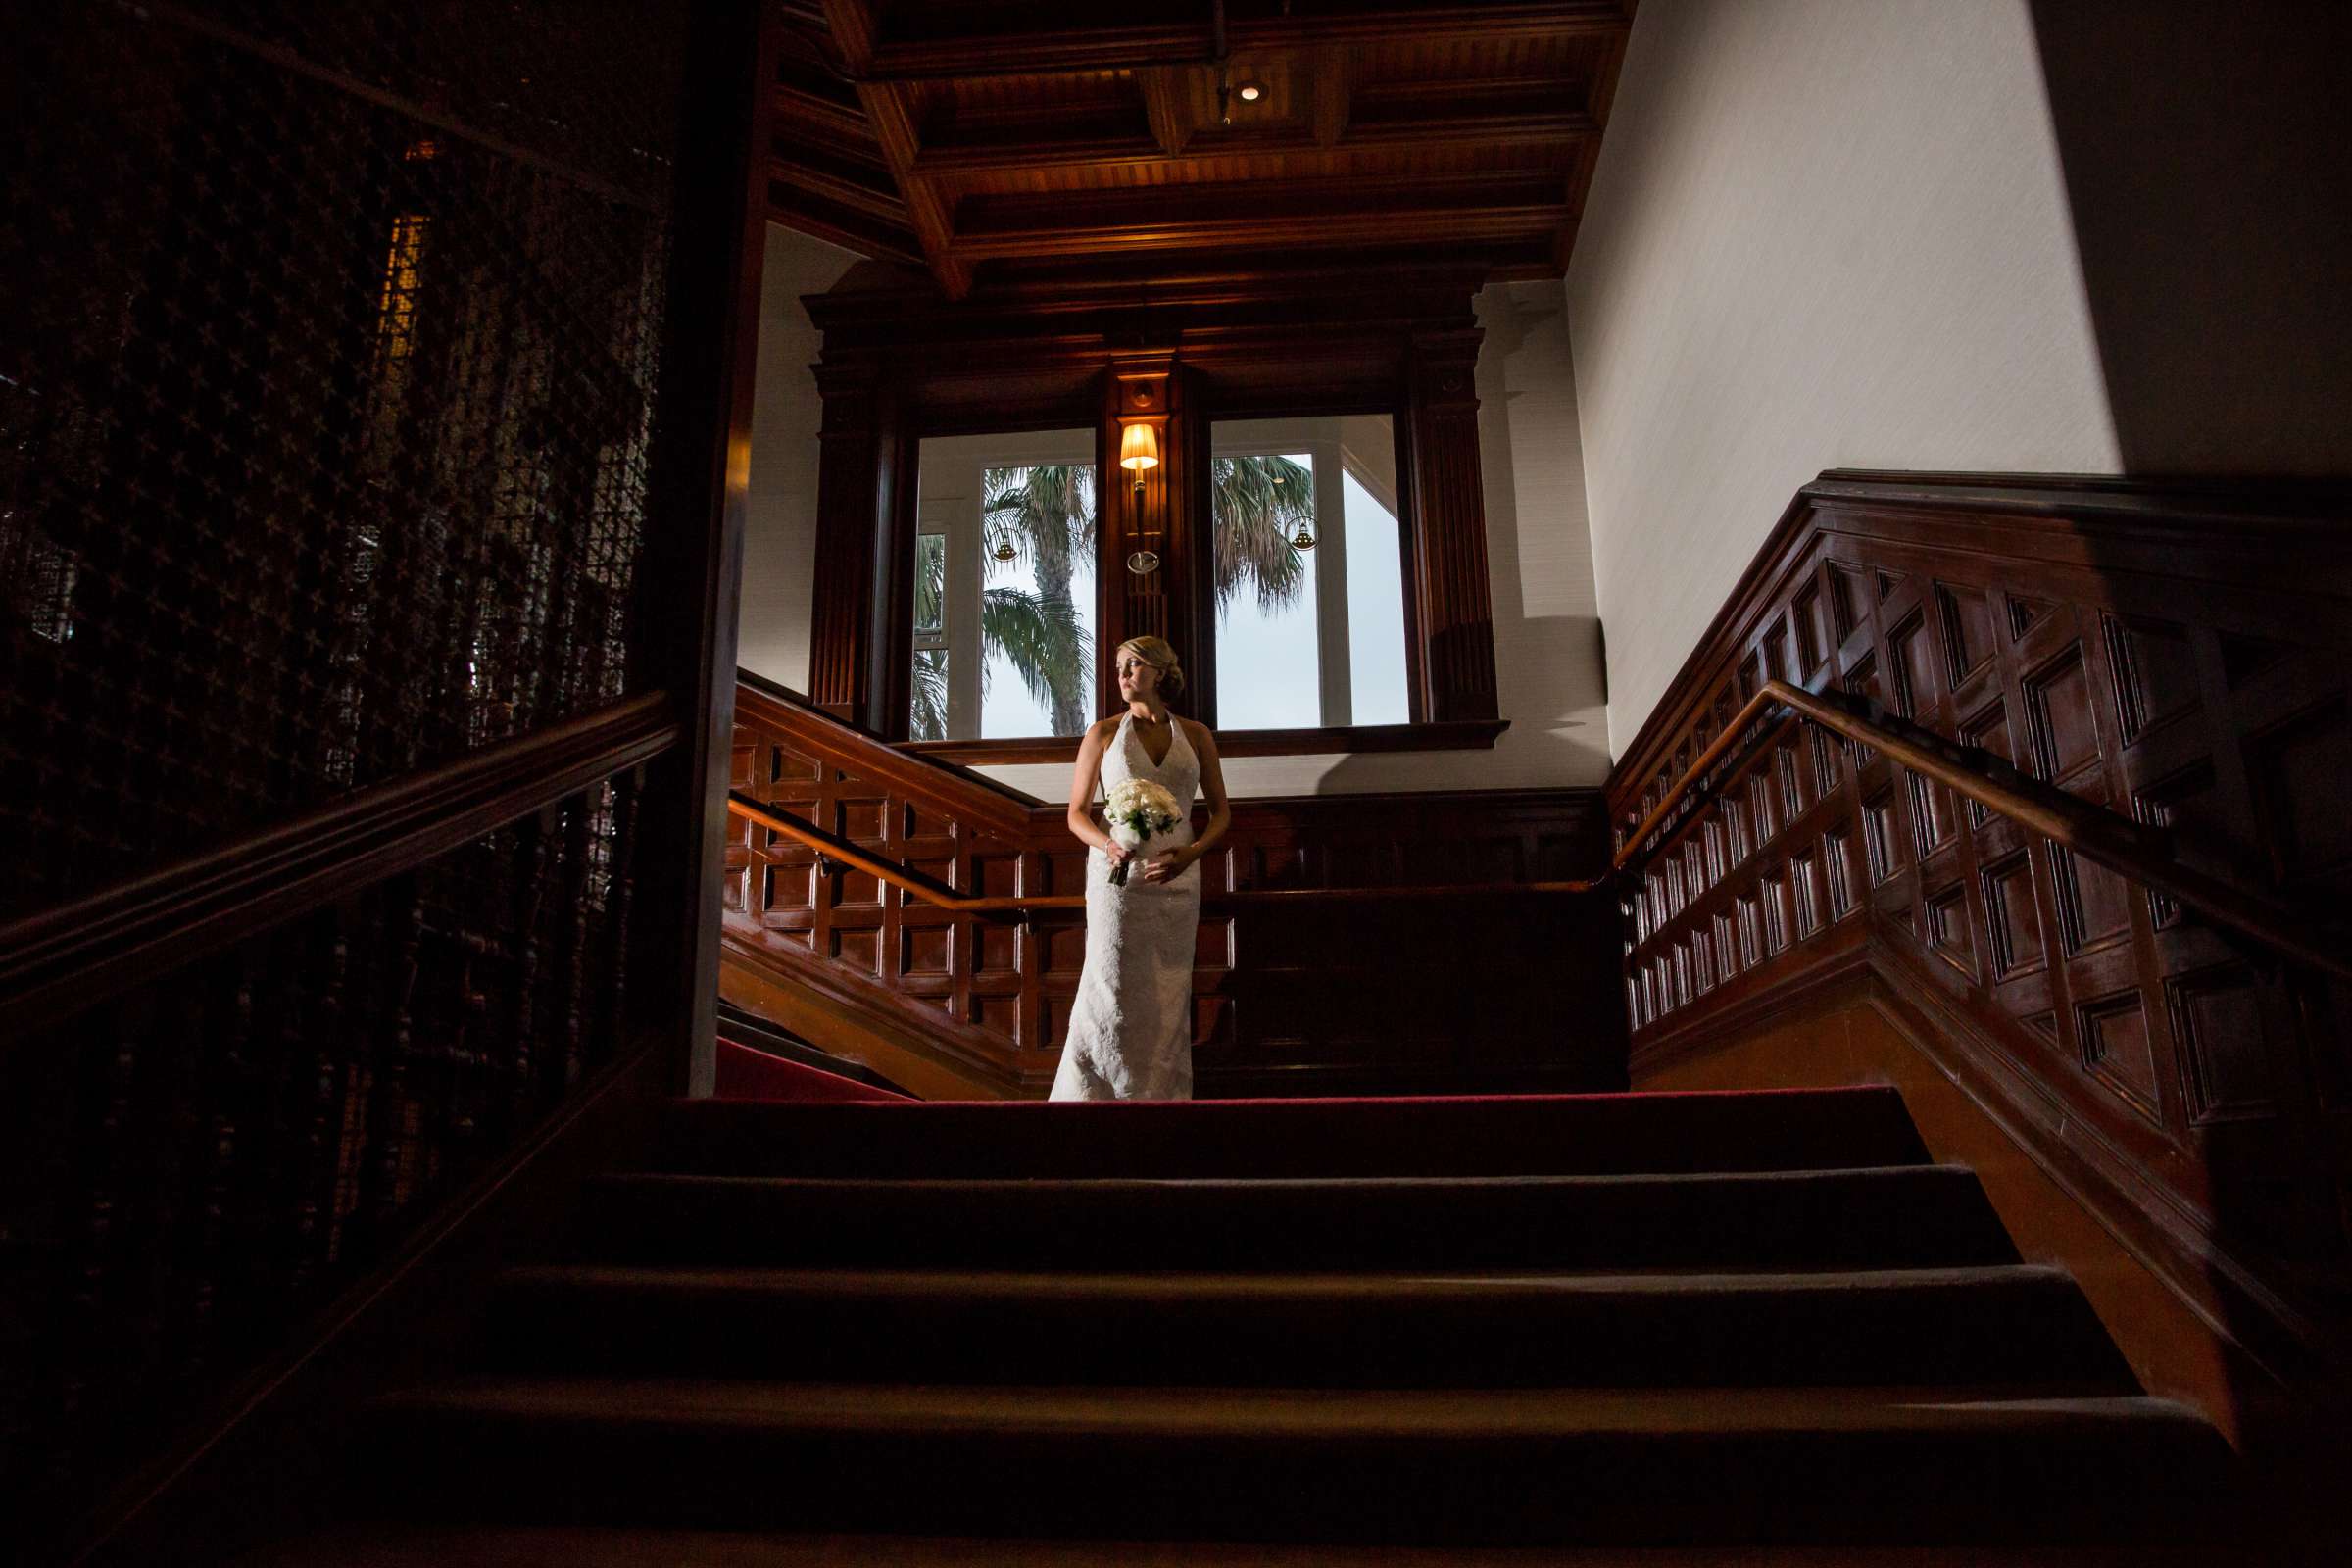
{"type": "Point", "coordinates": [1047, 513]}
{"type": "Point", "coordinates": [1260, 503]}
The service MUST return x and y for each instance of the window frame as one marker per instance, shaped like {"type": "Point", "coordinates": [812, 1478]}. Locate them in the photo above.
{"type": "Point", "coordinates": [958, 516]}
{"type": "Point", "coordinates": [1334, 696]}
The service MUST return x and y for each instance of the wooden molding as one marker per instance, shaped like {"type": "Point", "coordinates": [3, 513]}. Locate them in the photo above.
{"type": "Point", "coordinates": [55, 963]}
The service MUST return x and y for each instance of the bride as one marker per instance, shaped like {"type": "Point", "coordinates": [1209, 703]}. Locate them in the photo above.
{"type": "Point", "coordinates": [1131, 1028]}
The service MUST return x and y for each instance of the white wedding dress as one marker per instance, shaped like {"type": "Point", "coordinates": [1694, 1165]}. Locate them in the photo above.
{"type": "Point", "coordinates": [1130, 1027]}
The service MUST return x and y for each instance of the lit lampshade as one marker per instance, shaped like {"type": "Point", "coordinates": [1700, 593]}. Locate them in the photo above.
{"type": "Point", "coordinates": [1139, 448]}
{"type": "Point", "coordinates": [1251, 92]}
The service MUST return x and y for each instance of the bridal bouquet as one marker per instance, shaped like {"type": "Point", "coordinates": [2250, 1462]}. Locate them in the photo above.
{"type": "Point", "coordinates": [1136, 809]}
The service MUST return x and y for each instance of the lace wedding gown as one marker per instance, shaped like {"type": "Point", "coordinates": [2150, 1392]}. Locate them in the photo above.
{"type": "Point", "coordinates": [1131, 1028]}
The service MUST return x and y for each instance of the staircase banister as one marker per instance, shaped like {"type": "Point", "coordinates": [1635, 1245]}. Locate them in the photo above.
{"type": "Point", "coordinates": [998, 806]}
{"type": "Point", "coordinates": [939, 895]}
{"type": "Point", "coordinates": [2129, 849]}
{"type": "Point", "coordinates": [930, 890]}
{"type": "Point", "coordinates": [52, 963]}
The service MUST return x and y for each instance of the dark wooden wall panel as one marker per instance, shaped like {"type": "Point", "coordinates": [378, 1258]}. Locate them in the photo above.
{"type": "Point", "coordinates": [2179, 656]}
{"type": "Point", "coordinates": [1312, 997]}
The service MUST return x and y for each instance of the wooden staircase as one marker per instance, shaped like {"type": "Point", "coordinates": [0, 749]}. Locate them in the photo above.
{"type": "Point", "coordinates": [1302, 1330]}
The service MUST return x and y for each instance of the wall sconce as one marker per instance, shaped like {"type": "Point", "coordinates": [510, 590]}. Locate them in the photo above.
{"type": "Point", "coordinates": [1139, 449]}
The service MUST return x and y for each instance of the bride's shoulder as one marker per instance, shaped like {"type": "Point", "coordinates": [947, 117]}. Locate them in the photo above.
{"type": "Point", "coordinates": [1198, 731]}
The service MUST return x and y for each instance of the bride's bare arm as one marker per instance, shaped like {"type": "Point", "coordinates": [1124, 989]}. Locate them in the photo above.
{"type": "Point", "coordinates": [1082, 797]}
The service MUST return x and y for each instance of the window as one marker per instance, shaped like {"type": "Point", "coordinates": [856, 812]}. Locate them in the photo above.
{"type": "Point", "coordinates": [1005, 541]}
{"type": "Point", "coordinates": [1309, 634]}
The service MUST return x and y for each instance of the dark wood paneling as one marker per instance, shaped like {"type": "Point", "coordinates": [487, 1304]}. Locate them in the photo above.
{"type": "Point", "coordinates": [985, 140]}
{"type": "Point", "coordinates": [2176, 654]}
{"type": "Point", "coordinates": [1430, 993]}
{"type": "Point", "coordinates": [899, 365]}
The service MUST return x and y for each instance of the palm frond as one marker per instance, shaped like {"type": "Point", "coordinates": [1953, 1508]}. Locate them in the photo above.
{"type": "Point", "coordinates": [929, 721]}
{"type": "Point", "coordinates": [930, 578]}
{"type": "Point", "coordinates": [1048, 647]}
{"type": "Point", "coordinates": [1046, 511]}
{"type": "Point", "coordinates": [1260, 503]}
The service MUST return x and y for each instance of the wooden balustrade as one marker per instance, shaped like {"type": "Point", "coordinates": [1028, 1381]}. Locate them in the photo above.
{"type": "Point", "coordinates": [232, 1086]}
{"type": "Point", "coordinates": [2060, 769]}
{"type": "Point", "coordinates": [1347, 943]}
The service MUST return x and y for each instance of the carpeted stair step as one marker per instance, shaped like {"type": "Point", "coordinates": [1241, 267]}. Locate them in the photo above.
{"type": "Point", "coordinates": [1884, 1217]}
{"type": "Point", "coordinates": [389, 1545]}
{"type": "Point", "coordinates": [1443, 1466]}
{"type": "Point", "coordinates": [1562, 1135]}
{"type": "Point", "coordinates": [1997, 1325]}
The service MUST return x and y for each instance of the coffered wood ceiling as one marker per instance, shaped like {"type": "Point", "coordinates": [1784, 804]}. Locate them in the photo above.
{"type": "Point", "coordinates": [1012, 145]}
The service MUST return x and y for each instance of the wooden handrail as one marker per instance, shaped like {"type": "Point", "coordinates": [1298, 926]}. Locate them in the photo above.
{"type": "Point", "coordinates": [2107, 838]}
{"type": "Point", "coordinates": [52, 963]}
{"type": "Point", "coordinates": [940, 896]}
{"type": "Point", "coordinates": [928, 889]}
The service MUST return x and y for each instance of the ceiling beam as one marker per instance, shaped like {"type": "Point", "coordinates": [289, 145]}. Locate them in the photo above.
{"type": "Point", "coordinates": [1135, 46]}
{"type": "Point", "coordinates": [1164, 108]}
{"type": "Point", "coordinates": [852, 22]}
{"type": "Point", "coordinates": [1547, 129]}
{"type": "Point", "coordinates": [1278, 214]}
{"type": "Point", "coordinates": [853, 232]}
{"type": "Point", "coordinates": [838, 186]}
{"type": "Point", "coordinates": [829, 118]}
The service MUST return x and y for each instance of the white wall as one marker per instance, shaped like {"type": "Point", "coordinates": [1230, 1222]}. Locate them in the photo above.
{"type": "Point", "coordinates": [779, 545]}
{"type": "Point", "coordinates": [1823, 233]}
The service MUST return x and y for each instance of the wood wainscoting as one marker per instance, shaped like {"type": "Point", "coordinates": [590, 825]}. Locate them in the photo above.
{"type": "Point", "coordinates": [1429, 991]}
{"type": "Point", "coordinates": [2179, 654]}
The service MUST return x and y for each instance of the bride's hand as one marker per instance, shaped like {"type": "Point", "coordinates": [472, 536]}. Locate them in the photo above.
{"type": "Point", "coordinates": [1165, 865]}
{"type": "Point", "coordinates": [1117, 855]}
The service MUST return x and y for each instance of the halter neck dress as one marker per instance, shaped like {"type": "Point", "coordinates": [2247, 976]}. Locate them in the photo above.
{"type": "Point", "coordinates": [1131, 1026]}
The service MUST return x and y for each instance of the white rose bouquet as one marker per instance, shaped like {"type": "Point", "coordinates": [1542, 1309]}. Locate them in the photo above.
{"type": "Point", "coordinates": [1136, 809]}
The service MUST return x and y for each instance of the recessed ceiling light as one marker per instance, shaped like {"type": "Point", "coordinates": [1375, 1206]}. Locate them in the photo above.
{"type": "Point", "coordinates": [1251, 92]}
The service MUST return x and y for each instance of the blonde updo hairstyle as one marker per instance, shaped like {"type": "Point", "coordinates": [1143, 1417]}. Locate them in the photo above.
{"type": "Point", "coordinates": [1155, 652]}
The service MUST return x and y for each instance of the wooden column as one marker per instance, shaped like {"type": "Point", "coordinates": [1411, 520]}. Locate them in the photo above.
{"type": "Point", "coordinates": [1452, 604]}
{"type": "Point", "coordinates": [857, 466]}
{"type": "Point", "coordinates": [690, 585]}
{"type": "Point", "coordinates": [1146, 389]}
